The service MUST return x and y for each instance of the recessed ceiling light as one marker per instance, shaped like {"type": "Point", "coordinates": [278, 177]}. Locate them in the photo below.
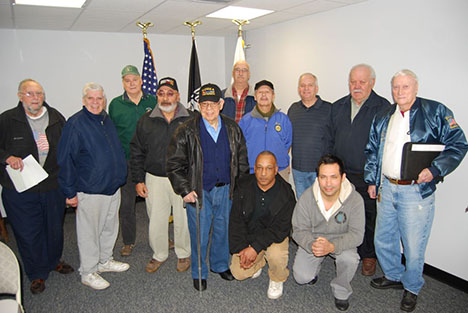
{"type": "Point", "coordinates": [53, 3]}
{"type": "Point", "coordinates": [241, 13]}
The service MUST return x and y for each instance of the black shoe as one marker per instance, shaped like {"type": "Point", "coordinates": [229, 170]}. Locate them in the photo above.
{"type": "Point", "coordinates": [196, 284]}
{"type": "Point", "coordinates": [384, 283]}
{"type": "Point", "coordinates": [64, 268]}
{"type": "Point", "coordinates": [226, 275]}
{"type": "Point", "coordinates": [408, 303]}
{"type": "Point", "coordinates": [341, 305]}
{"type": "Point", "coordinates": [37, 286]}
{"type": "Point", "coordinates": [313, 281]}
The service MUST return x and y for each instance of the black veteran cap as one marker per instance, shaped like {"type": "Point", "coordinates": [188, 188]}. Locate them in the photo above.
{"type": "Point", "coordinates": [209, 92]}
{"type": "Point", "coordinates": [264, 83]}
{"type": "Point", "coordinates": [168, 81]}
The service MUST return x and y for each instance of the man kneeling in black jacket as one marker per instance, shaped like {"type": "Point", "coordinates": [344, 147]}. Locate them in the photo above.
{"type": "Point", "coordinates": [260, 223]}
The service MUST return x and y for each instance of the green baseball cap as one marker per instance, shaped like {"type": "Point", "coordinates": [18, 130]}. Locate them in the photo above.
{"type": "Point", "coordinates": [130, 69]}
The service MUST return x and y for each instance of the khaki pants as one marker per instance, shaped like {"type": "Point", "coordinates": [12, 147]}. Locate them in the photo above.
{"type": "Point", "coordinates": [277, 257]}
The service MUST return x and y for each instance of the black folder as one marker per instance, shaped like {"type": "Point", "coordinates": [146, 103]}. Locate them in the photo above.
{"type": "Point", "coordinates": [416, 157]}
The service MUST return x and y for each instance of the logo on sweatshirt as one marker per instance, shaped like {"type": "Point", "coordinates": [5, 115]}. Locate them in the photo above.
{"type": "Point", "coordinates": [340, 218]}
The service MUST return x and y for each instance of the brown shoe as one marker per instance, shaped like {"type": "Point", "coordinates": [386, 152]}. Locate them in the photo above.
{"type": "Point", "coordinates": [126, 250]}
{"type": "Point", "coordinates": [171, 244]}
{"type": "Point", "coordinates": [3, 230]}
{"type": "Point", "coordinates": [153, 266]}
{"type": "Point", "coordinates": [64, 268]}
{"type": "Point", "coordinates": [368, 266]}
{"type": "Point", "coordinates": [37, 286]}
{"type": "Point", "coordinates": [183, 264]}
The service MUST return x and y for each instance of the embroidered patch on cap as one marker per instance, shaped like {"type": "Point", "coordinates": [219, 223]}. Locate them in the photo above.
{"type": "Point", "coordinates": [208, 91]}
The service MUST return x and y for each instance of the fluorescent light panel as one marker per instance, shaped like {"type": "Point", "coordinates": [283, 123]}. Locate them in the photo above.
{"type": "Point", "coordinates": [53, 3]}
{"type": "Point", "coordinates": [241, 13]}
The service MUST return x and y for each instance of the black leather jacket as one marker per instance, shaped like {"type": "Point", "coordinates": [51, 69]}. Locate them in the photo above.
{"type": "Point", "coordinates": [184, 165]}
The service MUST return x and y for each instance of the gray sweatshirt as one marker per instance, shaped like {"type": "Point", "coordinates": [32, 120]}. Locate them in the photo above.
{"type": "Point", "coordinates": [345, 228]}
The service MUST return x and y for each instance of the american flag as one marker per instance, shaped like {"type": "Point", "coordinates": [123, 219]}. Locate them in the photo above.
{"type": "Point", "coordinates": [42, 142]}
{"type": "Point", "coordinates": [150, 80]}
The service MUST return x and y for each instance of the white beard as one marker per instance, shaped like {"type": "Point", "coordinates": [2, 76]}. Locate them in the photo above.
{"type": "Point", "coordinates": [168, 108]}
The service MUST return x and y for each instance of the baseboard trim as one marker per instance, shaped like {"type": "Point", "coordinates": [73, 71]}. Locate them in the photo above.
{"type": "Point", "coordinates": [446, 278]}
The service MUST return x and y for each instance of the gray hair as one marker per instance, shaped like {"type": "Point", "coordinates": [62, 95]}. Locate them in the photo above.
{"type": "Point", "coordinates": [405, 72]}
{"type": "Point", "coordinates": [28, 80]}
{"type": "Point", "coordinates": [308, 74]}
{"type": "Point", "coordinates": [93, 87]}
{"type": "Point", "coordinates": [367, 66]}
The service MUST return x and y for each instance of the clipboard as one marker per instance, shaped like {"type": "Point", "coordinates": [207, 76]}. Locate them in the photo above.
{"type": "Point", "coordinates": [416, 157]}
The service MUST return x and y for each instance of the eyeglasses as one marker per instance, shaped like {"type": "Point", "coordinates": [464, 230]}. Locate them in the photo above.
{"type": "Point", "coordinates": [168, 94]}
{"type": "Point", "coordinates": [243, 70]}
{"type": "Point", "coordinates": [206, 105]}
{"type": "Point", "coordinates": [32, 94]}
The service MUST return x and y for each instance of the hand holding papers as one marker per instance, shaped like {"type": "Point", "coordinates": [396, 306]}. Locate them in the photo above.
{"type": "Point", "coordinates": [31, 175]}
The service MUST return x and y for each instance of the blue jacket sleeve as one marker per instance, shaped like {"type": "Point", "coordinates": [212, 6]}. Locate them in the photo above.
{"type": "Point", "coordinates": [68, 149]}
{"type": "Point", "coordinates": [452, 136]}
{"type": "Point", "coordinates": [371, 151]}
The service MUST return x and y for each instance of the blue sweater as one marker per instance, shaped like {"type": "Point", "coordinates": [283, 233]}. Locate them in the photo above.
{"type": "Point", "coordinates": [90, 155]}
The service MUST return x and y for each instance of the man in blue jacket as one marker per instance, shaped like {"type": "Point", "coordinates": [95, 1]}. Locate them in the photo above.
{"type": "Point", "coordinates": [92, 169]}
{"type": "Point", "coordinates": [266, 128]}
{"type": "Point", "coordinates": [406, 207]}
{"type": "Point", "coordinates": [352, 116]}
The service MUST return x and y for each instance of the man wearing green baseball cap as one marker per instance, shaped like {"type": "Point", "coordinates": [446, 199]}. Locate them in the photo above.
{"type": "Point", "coordinates": [125, 111]}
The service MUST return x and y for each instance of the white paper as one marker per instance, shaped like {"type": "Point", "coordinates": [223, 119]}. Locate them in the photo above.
{"type": "Point", "coordinates": [31, 175]}
{"type": "Point", "coordinates": [435, 147]}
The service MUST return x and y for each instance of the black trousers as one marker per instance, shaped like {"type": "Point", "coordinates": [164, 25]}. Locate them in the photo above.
{"type": "Point", "coordinates": [366, 249]}
{"type": "Point", "coordinates": [127, 212]}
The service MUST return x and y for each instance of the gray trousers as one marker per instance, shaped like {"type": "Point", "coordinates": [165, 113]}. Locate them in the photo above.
{"type": "Point", "coordinates": [127, 211]}
{"type": "Point", "coordinates": [307, 266]}
{"type": "Point", "coordinates": [97, 227]}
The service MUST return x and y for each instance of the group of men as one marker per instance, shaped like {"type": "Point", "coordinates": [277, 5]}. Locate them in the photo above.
{"type": "Point", "coordinates": [217, 175]}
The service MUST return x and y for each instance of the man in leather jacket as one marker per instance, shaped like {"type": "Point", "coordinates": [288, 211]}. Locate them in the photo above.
{"type": "Point", "coordinates": [206, 156]}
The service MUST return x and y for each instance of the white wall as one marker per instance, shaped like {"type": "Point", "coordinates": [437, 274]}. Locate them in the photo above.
{"type": "Point", "coordinates": [427, 36]}
{"type": "Point", "coordinates": [64, 61]}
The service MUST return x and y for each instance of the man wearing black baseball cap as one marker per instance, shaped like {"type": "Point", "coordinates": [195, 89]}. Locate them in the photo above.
{"type": "Point", "coordinates": [148, 170]}
{"type": "Point", "coordinates": [266, 128]}
{"type": "Point", "coordinates": [206, 156]}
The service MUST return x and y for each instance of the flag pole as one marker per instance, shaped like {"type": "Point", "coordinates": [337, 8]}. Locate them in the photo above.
{"type": "Point", "coordinates": [194, 71]}
{"type": "Point", "coordinates": [192, 26]}
{"type": "Point", "coordinates": [144, 27]}
{"type": "Point", "coordinates": [240, 23]}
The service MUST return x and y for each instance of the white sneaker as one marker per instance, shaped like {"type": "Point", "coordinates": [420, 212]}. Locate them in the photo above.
{"type": "Point", "coordinates": [95, 281]}
{"type": "Point", "coordinates": [275, 289]}
{"type": "Point", "coordinates": [257, 274]}
{"type": "Point", "coordinates": [113, 266]}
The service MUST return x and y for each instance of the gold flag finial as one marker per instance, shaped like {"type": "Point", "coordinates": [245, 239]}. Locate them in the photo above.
{"type": "Point", "coordinates": [192, 26]}
{"type": "Point", "coordinates": [240, 23]}
{"type": "Point", "coordinates": [144, 27]}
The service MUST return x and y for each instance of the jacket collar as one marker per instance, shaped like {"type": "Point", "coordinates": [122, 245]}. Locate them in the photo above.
{"type": "Point", "coordinates": [228, 93]}
{"type": "Point", "coordinates": [369, 102]}
{"type": "Point", "coordinates": [20, 114]}
{"type": "Point", "coordinates": [255, 113]}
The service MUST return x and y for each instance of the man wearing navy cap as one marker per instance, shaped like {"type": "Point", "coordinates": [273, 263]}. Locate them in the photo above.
{"type": "Point", "coordinates": [266, 128]}
{"type": "Point", "coordinates": [148, 170]}
{"type": "Point", "coordinates": [206, 156]}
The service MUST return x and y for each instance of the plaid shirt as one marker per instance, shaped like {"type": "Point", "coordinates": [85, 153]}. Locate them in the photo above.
{"type": "Point", "coordinates": [240, 104]}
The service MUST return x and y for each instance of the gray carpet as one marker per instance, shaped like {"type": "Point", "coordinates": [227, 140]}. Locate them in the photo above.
{"type": "Point", "coordinates": [170, 291]}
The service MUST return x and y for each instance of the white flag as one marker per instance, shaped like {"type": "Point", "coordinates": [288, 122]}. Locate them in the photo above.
{"type": "Point", "coordinates": [239, 54]}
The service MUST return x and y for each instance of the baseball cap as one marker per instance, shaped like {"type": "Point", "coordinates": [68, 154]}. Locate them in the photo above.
{"type": "Point", "coordinates": [209, 92]}
{"type": "Point", "coordinates": [130, 69]}
{"type": "Point", "coordinates": [168, 81]}
{"type": "Point", "coordinates": [264, 83]}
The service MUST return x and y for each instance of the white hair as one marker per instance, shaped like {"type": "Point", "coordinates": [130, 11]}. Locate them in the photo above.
{"type": "Point", "coordinates": [93, 87]}
{"type": "Point", "coordinates": [405, 72]}
{"type": "Point", "coordinates": [308, 74]}
{"type": "Point", "coordinates": [370, 68]}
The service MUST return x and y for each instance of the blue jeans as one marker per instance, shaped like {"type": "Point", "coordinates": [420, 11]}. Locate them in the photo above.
{"type": "Point", "coordinates": [215, 210]}
{"type": "Point", "coordinates": [302, 181]}
{"type": "Point", "coordinates": [403, 215]}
